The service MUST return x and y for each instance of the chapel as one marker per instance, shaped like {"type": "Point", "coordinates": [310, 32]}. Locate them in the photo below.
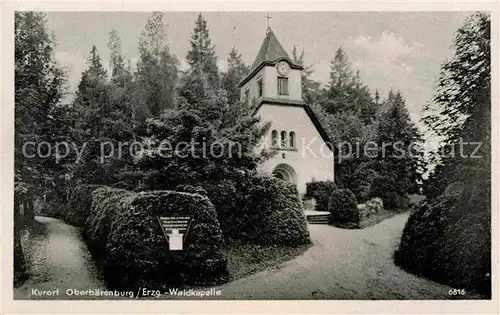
{"type": "Point", "coordinates": [304, 150]}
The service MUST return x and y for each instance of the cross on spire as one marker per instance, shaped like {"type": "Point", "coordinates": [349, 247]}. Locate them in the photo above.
{"type": "Point", "coordinates": [268, 17]}
{"type": "Point", "coordinates": [234, 29]}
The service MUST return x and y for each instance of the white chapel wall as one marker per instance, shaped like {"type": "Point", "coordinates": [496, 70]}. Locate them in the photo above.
{"type": "Point", "coordinates": [316, 163]}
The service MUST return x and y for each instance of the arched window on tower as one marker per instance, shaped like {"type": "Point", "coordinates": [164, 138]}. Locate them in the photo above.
{"type": "Point", "coordinates": [292, 139]}
{"type": "Point", "coordinates": [283, 139]}
{"type": "Point", "coordinates": [274, 138]}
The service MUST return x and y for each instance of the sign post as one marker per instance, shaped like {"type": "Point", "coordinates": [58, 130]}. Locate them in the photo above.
{"type": "Point", "coordinates": [175, 228]}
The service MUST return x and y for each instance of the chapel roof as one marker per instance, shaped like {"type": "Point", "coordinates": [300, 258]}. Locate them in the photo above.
{"type": "Point", "coordinates": [269, 53]}
{"type": "Point", "coordinates": [271, 50]}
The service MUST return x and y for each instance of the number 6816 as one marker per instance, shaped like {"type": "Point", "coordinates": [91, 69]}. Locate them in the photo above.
{"type": "Point", "coordinates": [456, 292]}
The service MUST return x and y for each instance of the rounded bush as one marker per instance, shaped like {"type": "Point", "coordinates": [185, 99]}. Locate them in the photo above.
{"type": "Point", "coordinates": [259, 210]}
{"type": "Point", "coordinates": [343, 209]}
{"type": "Point", "coordinates": [320, 191]}
{"type": "Point", "coordinates": [448, 238]}
{"type": "Point", "coordinates": [124, 233]}
{"type": "Point", "coordinates": [79, 204]}
{"type": "Point", "coordinates": [276, 213]}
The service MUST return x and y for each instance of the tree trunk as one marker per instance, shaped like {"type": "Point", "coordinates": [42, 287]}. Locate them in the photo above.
{"type": "Point", "coordinates": [31, 204]}
{"type": "Point", "coordinates": [20, 273]}
{"type": "Point", "coordinates": [29, 211]}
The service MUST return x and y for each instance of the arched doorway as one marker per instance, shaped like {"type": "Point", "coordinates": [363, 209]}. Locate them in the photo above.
{"type": "Point", "coordinates": [285, 172]}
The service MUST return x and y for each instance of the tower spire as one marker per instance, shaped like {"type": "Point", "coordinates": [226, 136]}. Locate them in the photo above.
{"type": "Point", "coordinates": [232, 39]}
{"type": "Point", "coordinates": [268, 17]}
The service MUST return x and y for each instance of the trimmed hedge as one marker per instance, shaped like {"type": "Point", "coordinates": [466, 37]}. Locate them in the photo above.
{"type": "Point", "coordinates": [275, 212]}
{"type": "Point", "coordinates": [191, 189]}
{"type": "Point", "coordinates": [79, 204]}
{"type": "Point", "coordinates": [448, 238]}
{"type": "Point", "coordinates": [343, 209]}
{"type": "Point", "coordinates": [260, 210]}
{"type": "Point", "coordinates": [320, 191]}
{"type": "Point", "coordinates": [123, 232]}
{"type": "Point", "coordinates": [229, 198]}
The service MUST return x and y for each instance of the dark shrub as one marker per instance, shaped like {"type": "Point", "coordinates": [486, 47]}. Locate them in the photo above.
{"type": "Point", "coordinates": [275, 212]}
{"type": "Point", "coordinates": [448, 238]}
{"type": "Point", "coordinates": [79, 204]}
{"type": "Point", "coordinates": [20, 273]}
{"type": "Point", "coordinates": [320, 191]}
{"type": "Point", "coordinates": [229, 198]}
{"type": "Point", "coordinates": [52, 209]}
{"type": "Point", "coordinates": [344, 209]}
{"type": "Point", "coordinates": [454, 189]}
{"type": "Point", "coordinates": [105, 202]}
{"type": "Point", "coordinates": [124, 232]}
{"type": "Point", "coordinates": [421, 232]}
{"type": "Point", "coordinates": [391, 193]}
{"type": "Point", "coordinates": [259, 210]}
{"type": "Point", "coordinates": [359, 179]}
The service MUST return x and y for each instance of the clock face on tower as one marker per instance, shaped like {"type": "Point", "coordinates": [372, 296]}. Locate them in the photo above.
{"type": "Point", "coordinates": [282, 68]}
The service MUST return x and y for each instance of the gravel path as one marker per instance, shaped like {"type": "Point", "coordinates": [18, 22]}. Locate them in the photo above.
{"type": "Point", "coordinates": [342, 265]}
{"type": "Point", "coordinates": [58, 259]}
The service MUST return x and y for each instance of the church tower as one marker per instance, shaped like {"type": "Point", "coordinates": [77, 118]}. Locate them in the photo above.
{"type": "Point", "coordinates": [273, 75]}
{"type": "Point", "coordinates": [304, 151]}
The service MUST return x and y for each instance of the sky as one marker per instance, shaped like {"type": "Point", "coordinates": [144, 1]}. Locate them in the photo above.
{"type": "Point", "coordinates": [392, 50]}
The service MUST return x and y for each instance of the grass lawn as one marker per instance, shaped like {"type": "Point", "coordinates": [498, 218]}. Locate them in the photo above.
{"type": "Point", "coordinates": [244, 259]}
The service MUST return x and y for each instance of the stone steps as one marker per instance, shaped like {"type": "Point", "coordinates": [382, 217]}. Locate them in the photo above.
{"type": "Point", "coordinates": [313, 216]}
{"type": "Point", "coordinates": [318, 219]}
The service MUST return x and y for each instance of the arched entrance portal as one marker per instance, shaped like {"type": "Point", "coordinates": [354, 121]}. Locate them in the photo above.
{"type": "Point", "coordinates": [285, 172]}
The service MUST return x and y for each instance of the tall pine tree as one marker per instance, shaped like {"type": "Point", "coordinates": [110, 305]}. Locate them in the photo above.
{"type": "Point", "coordinates": [157, 70]}
{"type": "Point", "coordinates": [91, 106]}
{"type": "Point", "coordinates": [203, 116]}
{"type": "Point", "coordinates": [237, 70]}
{"type": "Point", "coordinates": [460, 111]}
{"type": "Point", "coordinates": [399, 153]}
{"type": "Point", "coordinates": [346, 92]}
{"type": "Point", "coordinates": [39, 87]}
{"type": "Point", "coordinates": [201, 55]}
{"type": "Point", "coordinates": [120, 73]}
{"type": "Point", "coordinates": [346, 107]}
{"type": "Point", "coordinates": [92, 96]}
